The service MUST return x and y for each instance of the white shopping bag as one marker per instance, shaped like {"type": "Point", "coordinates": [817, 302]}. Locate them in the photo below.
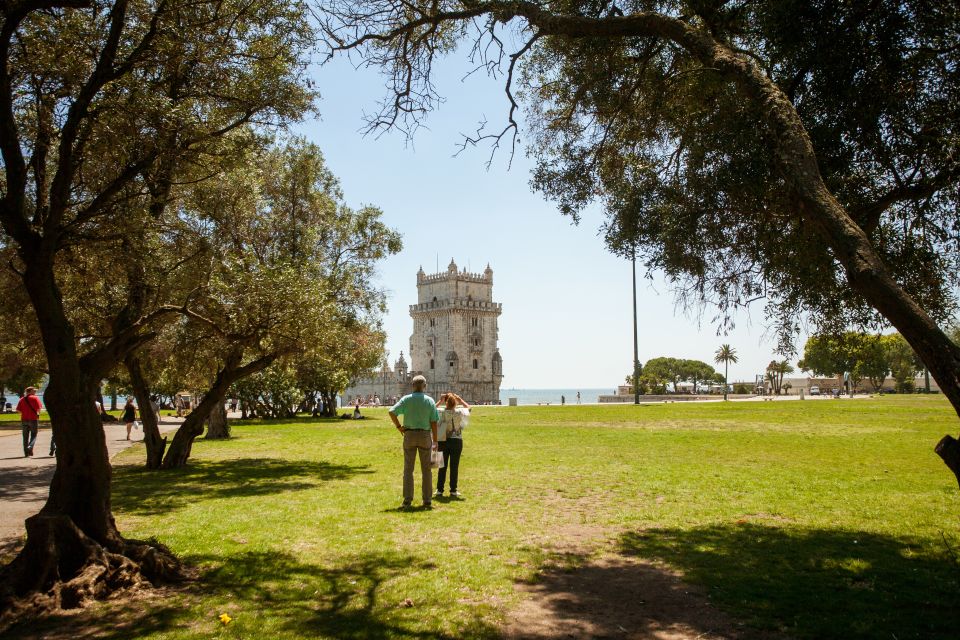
{"type": "Point", "coordinates": [436, 459]}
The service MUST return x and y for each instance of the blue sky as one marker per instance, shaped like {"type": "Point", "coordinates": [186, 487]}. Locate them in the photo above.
{"type": "Point", "coordinates": [567, 319]}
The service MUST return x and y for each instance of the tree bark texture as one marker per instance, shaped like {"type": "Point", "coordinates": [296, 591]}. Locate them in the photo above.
{"type": "Point", "coordinates": [218, 428]}
{"type": "Point", "coordinates": [154, 442]}
{"type": "Point", "coordinates": [949, 450]}
{"type": "Point", "coordinates": [329, 403]}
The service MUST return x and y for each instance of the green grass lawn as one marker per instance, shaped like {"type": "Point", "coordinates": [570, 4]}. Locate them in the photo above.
{"type": "Point", "coordinates": [816, 519]}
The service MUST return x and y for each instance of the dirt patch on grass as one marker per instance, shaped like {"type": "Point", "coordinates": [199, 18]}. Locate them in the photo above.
{"type": "Point", "coordinates": [615, 596]}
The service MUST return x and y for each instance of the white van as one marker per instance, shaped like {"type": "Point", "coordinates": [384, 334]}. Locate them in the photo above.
{"type": "Point", "coordinates": [814, 390]}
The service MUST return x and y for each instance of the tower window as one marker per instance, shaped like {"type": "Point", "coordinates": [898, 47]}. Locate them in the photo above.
{"type": "Point", "coordinates": [476, 343]}
{"type": "Point", "coordinates": [475, 322]}
{"type": "Point", "coordinates": [431, 363]}
{"type": "Point", "coordinates": [476, 365]}
{"type": "Point", "coordinates": [433, 322]}
{"type": "Point", "coordinates": [430, 342]}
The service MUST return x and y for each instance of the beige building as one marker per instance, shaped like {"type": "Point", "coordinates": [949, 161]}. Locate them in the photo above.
{"type": "Point", "coordinates": [454, 341]}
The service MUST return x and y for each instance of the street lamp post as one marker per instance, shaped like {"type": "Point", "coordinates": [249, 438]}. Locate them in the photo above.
{"type": "Point", "coordinates": [636, 359]}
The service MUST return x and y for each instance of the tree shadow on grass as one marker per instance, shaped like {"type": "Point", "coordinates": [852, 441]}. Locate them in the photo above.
{"type": "Point", "coordinates": [816, 583]}
{"type": "Point", "coordinates": [141, 491]}
{"type": "Point", "coordinates": [616, 596]}
{"type": "Point", "coordinates": [266, 594]}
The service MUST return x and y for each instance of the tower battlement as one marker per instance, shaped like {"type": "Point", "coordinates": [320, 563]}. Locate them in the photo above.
{"type": "Point", "coordinates": [460, 275]}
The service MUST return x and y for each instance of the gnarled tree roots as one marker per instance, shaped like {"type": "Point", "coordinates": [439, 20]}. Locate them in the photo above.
{"type": "Point", "coordinates": [62, 568]}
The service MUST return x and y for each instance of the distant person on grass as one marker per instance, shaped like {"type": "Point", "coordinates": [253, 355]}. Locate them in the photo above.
{"type": "Point", "coordinates": [419, 438]}
{"type": "Point", "coordinates": [129, 415]}
{"type": "Point", "coordinates": [29, 408]}
{"type": "Point", "coordinates": [450, 429]}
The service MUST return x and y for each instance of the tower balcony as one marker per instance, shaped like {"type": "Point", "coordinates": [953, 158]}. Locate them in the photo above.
{"type": "Point", "coordinates": [456, 305]}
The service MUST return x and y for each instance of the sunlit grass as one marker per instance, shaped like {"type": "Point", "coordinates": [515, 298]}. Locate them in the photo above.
{"type": "Point", "coordinates": [817, 518]}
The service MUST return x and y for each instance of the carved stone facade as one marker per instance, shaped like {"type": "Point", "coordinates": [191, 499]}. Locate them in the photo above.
{"type": "Point", "coordinates": [383, 386]}
{"type": "Point", "coordinates": [454, 341]}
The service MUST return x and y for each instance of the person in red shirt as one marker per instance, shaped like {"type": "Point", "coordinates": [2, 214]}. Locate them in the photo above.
{"type": "Point", "coordinates": [29, 408]}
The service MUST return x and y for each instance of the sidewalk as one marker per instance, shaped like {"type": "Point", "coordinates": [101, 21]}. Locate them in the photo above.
{"type": "Point", "coordinates": [25, 482]}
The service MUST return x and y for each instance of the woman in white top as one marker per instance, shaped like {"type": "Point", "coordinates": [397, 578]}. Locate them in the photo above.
{"type": "Point", "coordinates": [453, 419]}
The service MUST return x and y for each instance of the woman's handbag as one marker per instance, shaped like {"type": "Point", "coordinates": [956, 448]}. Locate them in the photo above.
{"type": "Point", "coordinates": [436, 459]}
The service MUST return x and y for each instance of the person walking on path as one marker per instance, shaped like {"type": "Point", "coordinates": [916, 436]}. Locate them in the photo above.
{"type": "Point", "coordinates": [29, 408]}
{"type": "Point", "coordinates": [419, 431]}
{"type": "Point", "coordinates": [450, 427]}
{"type": "Point", "coordinates": [129, 415]}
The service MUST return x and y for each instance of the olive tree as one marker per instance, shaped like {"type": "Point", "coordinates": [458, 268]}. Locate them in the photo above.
{"type": "Point", "coordinates": [103, 107]}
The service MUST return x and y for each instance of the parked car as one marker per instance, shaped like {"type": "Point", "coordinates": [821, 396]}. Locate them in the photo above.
{"type": "Point", "coordinates": [814, 390]}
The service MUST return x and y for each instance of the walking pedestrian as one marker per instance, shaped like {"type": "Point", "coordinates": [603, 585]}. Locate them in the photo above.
{"type": "Point", "coordinates": [29, 408]}
{"type": "Point", "coordinates": [129, 415]}
{"type": "Point", "coordinates": [419, 431]}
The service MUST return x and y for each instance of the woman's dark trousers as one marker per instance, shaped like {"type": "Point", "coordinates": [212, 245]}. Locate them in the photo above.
{"type": "Point", "coordinates": [452, 448]}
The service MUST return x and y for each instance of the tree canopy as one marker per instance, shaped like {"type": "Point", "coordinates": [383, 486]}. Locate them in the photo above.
{"type": "Point", "coordinates": [802, 153]}
{"type": "Point", "coordinates": [862, 356]}
{"type": "Point", "coordinates": [106, 110]}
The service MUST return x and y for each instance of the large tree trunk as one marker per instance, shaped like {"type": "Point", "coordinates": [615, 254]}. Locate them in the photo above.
{"type": "Point", "coordinates": [73, 551]}
{"type": "Point", "coordinates": [217, 426]}
{"type": "Point", "coordinates": [192, 426]}
{"type": "Point", "coordinates": [329, 404]}
{"type": "Point", "coordinates": [155, 443]}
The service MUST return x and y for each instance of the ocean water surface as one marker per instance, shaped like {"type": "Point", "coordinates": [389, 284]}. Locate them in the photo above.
{"type": "Point", "coordinates": [552, 396]}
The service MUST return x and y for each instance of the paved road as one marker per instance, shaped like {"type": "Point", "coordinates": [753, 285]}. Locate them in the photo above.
{"type": "Point", "coordinates": [25, 482]}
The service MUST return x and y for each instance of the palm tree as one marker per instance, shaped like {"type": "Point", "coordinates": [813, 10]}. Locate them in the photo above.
{"type": "Point", "coordinates": [726, 355]}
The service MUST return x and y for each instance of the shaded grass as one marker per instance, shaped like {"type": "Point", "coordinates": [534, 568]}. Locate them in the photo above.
{"type": "Point", "coordinates": [791, 515]}
{"type": "Point", "coordinates": [818, 583]}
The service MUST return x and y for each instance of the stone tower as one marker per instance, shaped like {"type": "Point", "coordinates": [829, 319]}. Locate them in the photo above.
{"type": "Point", "coordinates": [454, 341]}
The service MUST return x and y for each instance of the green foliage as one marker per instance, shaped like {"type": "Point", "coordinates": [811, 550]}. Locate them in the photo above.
{"type": "Point", "coordinates": [775, 372]}
{"type": "Point", "coordinates": [725, 354]}
{"type": "Point", "coordinates": [658, 372]}
{"type": "Point", "coordinates": [272, 393]}
{"type": "Point", "coordinates": [326, 369]}
{"type": "Point", "coordinates": [684, 167]}
{"type": "Point", "coordinates": [903, 362]}
{"type": "Point", "coordinates": [863, 356]}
